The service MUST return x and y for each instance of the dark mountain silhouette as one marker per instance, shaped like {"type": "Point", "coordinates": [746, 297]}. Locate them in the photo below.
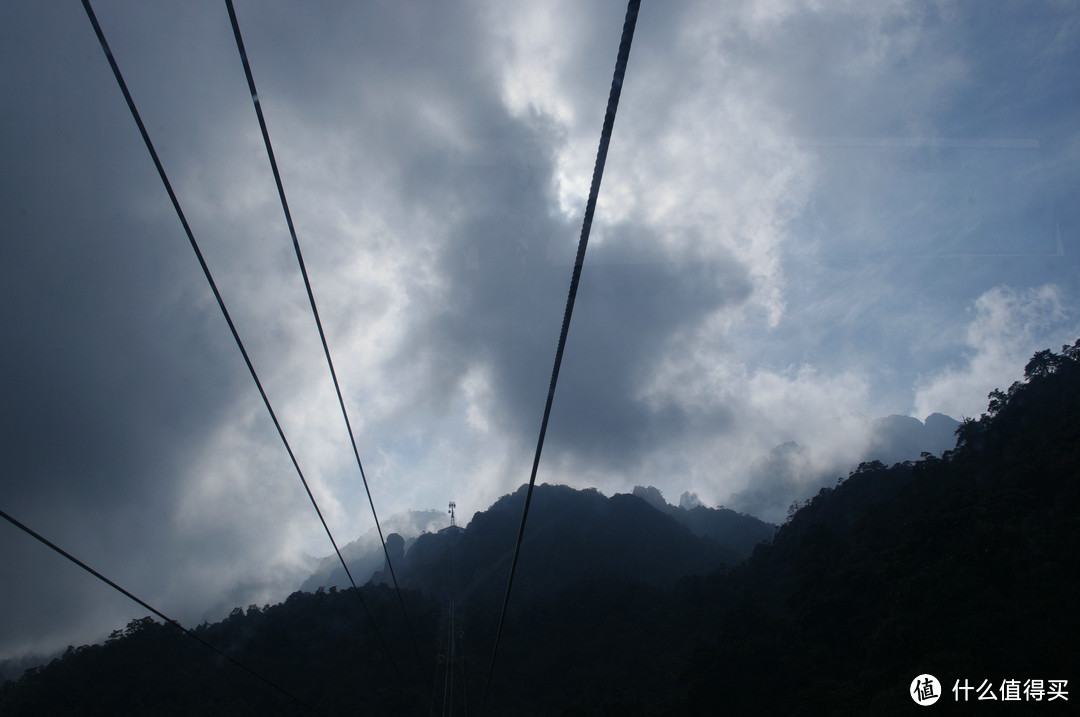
{"type": "Point", "coordinates": [572, 535]}
{"type": "Point", "coordinates": [320, 648]}
{"type": "Point", "coordinates": [962, 566]}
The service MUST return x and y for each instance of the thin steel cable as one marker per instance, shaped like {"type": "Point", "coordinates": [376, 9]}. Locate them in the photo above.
{"type": "Point", "coordinates": [225, 312]}
{"type": "Point", "coordinates": [448, 680]}
{"type": "Point", "coordinates": [450, 665]}
{"type": "Point", "coordinates": [598, 172]}
{"type": "Point", "coordinates": [315, 312]}
{"type": "Point", "coordinates": [434, 684]}
{"type": "Point", "coordinates": [464, 685]}
{"type": "Point", "coordinates": [458, 632]}
{"type": "Point", "coordinates": [168, 620]}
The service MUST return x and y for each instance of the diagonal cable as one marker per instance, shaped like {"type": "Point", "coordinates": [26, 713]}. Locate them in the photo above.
{"type": "Point", "coordinates": [168, 620]}
{"type": "Point", "coordinates": [590, 208]}
{"type": "Point", "coordinates": [225, 312]}
{"type": "Point", "coordinates": [315, 309]}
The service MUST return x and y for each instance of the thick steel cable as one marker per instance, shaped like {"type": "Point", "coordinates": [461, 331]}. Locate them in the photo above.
{"type": "Point", "coordinates": [228, 318]}
{"type": "Point", "coordinates": [315, 312]}
{"type": "Point", "coordinates": [598, 172]}
{"type": "Point", "coordinates": [168, 620]}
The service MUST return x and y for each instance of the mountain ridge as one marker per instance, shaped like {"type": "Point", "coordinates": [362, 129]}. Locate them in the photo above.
{"type": "Point", "coordinates": [959, 565]}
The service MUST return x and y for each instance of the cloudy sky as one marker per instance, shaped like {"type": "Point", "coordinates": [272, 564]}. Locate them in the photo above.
{"type": "Point", "coordinates": [813, 215]}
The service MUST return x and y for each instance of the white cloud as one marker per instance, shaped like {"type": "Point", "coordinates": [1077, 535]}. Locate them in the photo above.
{"type": "Point", "coordinates": [1007, 328]}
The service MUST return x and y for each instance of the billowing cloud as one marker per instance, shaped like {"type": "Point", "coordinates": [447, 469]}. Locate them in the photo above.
{"type": "Point", "coordinates": [1007, 328]}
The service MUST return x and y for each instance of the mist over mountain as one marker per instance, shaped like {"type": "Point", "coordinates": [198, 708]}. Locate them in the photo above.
{"type": "Point", "coordinates": [904, 438]}
{"type": "Point", "coordinates": [735, 531]}
{"type": "Point", "coordinates": [571, 536]}
{"type": "Point", "coordinates": [790, 473]}
{"type": "Point", "coordinates": [960, 565]}
{"type": "Point", "coordinates": [365, 554]}
{"type": "Point", "coordinates": [13, 668]}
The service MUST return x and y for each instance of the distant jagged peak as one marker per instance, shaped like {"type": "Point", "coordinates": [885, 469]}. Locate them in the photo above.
{"type": "Point", "coordinates": [735, 531]}
{"type": "Point", "coordinates": [652, 496]}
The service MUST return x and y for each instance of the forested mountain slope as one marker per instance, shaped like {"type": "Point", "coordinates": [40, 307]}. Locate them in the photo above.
{"type": "Point", "coordinates": [962, 566]}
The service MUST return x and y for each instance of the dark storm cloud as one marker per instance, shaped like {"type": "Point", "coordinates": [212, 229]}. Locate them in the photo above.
{"type": "Point", "coordinates": [505, 259]}
{"type": "Point", "coordinates": [121, 374]}
{"type": "Point", "coordinates": [103, 394]}
{"type": "Point", "coordinates": [629, 308]}
{"type": "Point", "coordinates": [508, 271]}
{"type": "Point", "coordinates": [117, 367]}
{"type": "Point", "coordinates": [96, 315]}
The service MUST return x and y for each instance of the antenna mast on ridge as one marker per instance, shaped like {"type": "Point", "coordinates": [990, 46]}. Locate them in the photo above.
{"type": "Point", "coordinates": [452, 506]}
